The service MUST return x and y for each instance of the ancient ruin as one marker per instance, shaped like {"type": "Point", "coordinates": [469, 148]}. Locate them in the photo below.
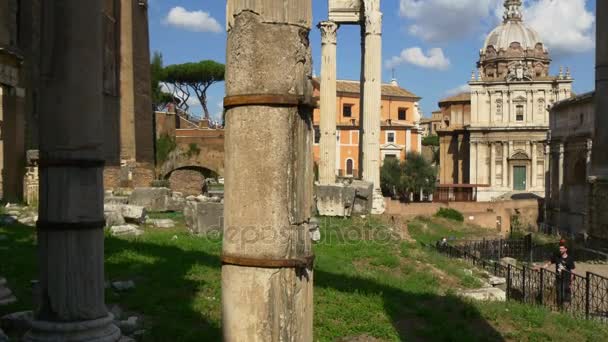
{"type": "Point", "coordinates": [71, 222]}
{"type": "Point", "coordinates": [332, 198]}
{"type": "Point", "coordinates": [267, 254]}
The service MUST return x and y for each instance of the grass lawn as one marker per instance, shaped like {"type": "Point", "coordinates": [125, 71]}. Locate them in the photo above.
{"type": "Point", "coordinates": [367, 282]}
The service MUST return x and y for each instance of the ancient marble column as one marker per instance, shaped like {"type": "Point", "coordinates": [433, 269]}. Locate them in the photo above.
{"type": "Point", "coordinates": [561, 166]}
{"type": "Point", "coordinates": [328, 99]}
{"type": "Point", "coordinates": [70, 227]}
{"type": "Point", "coordinates": [372, 101]}
{"type": "Point", "coordinates": [492, 181]}
{"type": "Point", "coordinates": [267, 254]}
{"type": "Point", "coordinates": [600, 138]}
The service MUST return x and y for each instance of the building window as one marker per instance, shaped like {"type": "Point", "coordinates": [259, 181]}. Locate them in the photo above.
{"type": "Point", "coordinates": [390, 137]}
{"type": "Point", "coordinates": [402, 114]}
{"type": "Point", "coordinates": [347, 110]}
{"type": "Point", "coordinates": [349, 167]}
{"type": "Point", "coordinates": [317, 135]}
{"type": "Point", "coordinates": [390, 156]}
{"type": "Point", "coordinates": [519, 113]}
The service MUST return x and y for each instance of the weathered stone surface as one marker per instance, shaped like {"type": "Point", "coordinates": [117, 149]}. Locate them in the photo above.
{"type": "Point", "coordinates": [335, 200]}
{"type": "Point", "coordinates": [116, 199]}
{"type": "Point", "coordinates": [204, 217]}
{"type": "Point", "coordinates": [495, 281]}
{"type": "Point", "coordinates": [176, 202]}
{"type": "Point", "coordinates": [153, 199]}
{"type": "Point", "coordinates": [123, 285]}
{"type": "Point", "coordinates": [364, 192]}
{"type": "Point", "coordinates": [17, 321]}
{"type": "Point", "coordinates": [113, 218]}
{"type": "Point", "coordinates": [161, 223]}
{"type": "Point", "coordinates": [508, 261]}
{"type": "Point", "coordinates": [485, 294]}
{"type": "Point", "coordinates": [131, 213]}
{"type": "Point", "coordinates": [129, 326]}
{"type": "Point", "coordinates": [126, 230]}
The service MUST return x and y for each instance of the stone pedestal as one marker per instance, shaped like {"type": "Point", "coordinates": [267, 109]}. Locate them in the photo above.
{"type": "Point", "coordinates": [71, 221]}
{"type": "Point", "coordinates": [370, 139]}
{"type": "Point", "coordinates": [328, 99]}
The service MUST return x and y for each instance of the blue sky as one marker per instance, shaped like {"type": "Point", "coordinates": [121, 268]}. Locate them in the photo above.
{"type": "Point", "coordinates": [432, 45]}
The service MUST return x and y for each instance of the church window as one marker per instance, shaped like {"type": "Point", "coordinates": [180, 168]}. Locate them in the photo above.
{"type": "Point", "coordinates": [499, 109]}
{"type": "Point", "coordinates": [347, 110]}
{"type": "Point", "coordinates": [390, 137]}
{"type": "Point", "coordinates": [519, 113]}
{"type": "Point", "coordinates": [402, 113]}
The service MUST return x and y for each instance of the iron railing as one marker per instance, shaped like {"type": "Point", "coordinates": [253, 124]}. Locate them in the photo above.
{"type": "Point", "coordinates": [581, 296]}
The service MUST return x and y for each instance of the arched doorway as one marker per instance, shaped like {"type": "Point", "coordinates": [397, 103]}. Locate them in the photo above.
{"type": "Point", "coordinates": [190, 180]}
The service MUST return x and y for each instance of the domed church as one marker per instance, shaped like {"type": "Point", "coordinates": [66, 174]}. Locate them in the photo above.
{"type": "Point", "coordinates": [494, 137]}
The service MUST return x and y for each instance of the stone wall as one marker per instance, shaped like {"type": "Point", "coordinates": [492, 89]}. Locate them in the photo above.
{"type": "Point", "coordinates": [489, 215]}
{"type": "Point", "coordinates": [188, 182]}
{"type": "Point", "coordinates": [599, 210]}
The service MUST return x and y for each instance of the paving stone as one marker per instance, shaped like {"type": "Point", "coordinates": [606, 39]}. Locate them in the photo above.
{"type": "Point", "coordinates": [126, 230]}
{"type": "Point", "coordinates": [485, 294]}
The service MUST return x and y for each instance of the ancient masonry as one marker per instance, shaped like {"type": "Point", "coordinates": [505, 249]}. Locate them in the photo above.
{"type": "Point", "coordinates": [71, 220]}
{"type": "Point", "coordinates": [366, 14]}
{"type": "Point", "coordinates": [599, 179]}
{"type": "Point", "coordinates": [267, 257]}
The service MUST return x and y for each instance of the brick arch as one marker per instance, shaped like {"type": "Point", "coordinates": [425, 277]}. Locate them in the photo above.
{"type": "Point", "coordinates": [205, 160]}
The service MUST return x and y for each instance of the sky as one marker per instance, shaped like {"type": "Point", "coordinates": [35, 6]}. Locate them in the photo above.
{"type": "Point", "coordinates": [430, 46]}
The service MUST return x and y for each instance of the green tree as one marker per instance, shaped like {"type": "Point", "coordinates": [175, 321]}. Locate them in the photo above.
{"type": "Point", "coordinates": [194, 78]}
{"type": "Point", "coordinates": [159, 98]}
{"type": "Point", "coordinates": [413, 175]}
{"type": "Point", "coordinates": [432, 142]}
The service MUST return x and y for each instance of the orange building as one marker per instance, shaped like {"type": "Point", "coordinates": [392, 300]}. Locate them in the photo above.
{"type": "Point", "coordinates": [400, 130]}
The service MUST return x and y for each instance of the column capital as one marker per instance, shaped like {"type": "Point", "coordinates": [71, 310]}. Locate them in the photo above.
{"type": "Point", "coordinates": [329, 32]}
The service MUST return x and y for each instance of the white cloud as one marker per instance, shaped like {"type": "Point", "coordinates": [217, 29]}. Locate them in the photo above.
{"type": "Point", "coordinates": [460, 89]}
{"type": "Point", "coordinates": [565, 26]}
{"type": "Point", "coordinates": [198, 21]}
{"type": "Point", "coordinates": [434, 59]}
{"type": "Point", "coordinates": [443, 20]}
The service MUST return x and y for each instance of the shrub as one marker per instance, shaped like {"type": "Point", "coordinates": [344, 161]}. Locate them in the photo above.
{"type": "Point", "coordinates": [431, 140]}
{"type": "Point", "coordinates": [160, 183]}
{"type": "Point", "coordinates": [164, 146]}
{"type": "Point", "coordinates": [450, 214]}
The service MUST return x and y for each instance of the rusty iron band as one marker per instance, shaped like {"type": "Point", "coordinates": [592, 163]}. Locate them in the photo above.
{"type": "Point", "coordinates": [75, 163]}
{"type": "Point", "coordinates": [265, 100]}
{"type": "Point", "coordinates": [69, 226]}
{"type": "Point", "coordinates": [304, 262]}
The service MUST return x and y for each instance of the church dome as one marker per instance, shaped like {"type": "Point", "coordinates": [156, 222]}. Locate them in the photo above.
{"type": "Point", "coordinates": [513, 30]}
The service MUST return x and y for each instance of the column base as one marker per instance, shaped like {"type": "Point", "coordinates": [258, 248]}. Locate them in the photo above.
{"type": "Point", "coordinates": [98, 330]}
{"type": "Point", "coordinates": [378, 205]}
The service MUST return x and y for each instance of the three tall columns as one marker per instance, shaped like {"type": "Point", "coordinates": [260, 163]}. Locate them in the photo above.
{"type": "Point", "coordinates": [267, 251]}
{"type": "Point", "coordinates": [372, 105]}
{"type": "Point", "coordinates": [71, 221]}
{"type": "Point", "coordinates": [328, 99]}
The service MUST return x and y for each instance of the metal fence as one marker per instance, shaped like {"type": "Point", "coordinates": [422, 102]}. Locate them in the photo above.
{"type": "Point", "coordinates": [582, 296]}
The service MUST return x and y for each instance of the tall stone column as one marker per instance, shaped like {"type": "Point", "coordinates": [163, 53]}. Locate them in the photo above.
{"type": "Point", "coordinates": [328, 99]}
{"type": "Point", "coordinates": [473, 163]}
{"type": "Point", "coordinates": [372, 101]}
{"type": "Point", "coordinates": [267, 254]}
{"type": "Point", "coordinates": [71, 221]}
{"type": "Point", "coordinates": [561, 166]}
{"type": "Point", "coordinates": [534, 165]}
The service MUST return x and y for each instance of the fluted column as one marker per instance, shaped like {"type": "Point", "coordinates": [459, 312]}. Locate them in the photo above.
{"type": "Point", "coordinates": [505, 165]}
{"type": "Point", "coordinates": [372, 100]}
{"type": "Point", "coordinates": [70, 228]}
{"type": "Point", "coordinates": [328, 99]}
{"type": "Point", "coordinates": [534, 165]}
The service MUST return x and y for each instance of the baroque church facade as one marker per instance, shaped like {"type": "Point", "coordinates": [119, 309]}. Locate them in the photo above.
{"type": "Point", "coordinates": [496, 139]}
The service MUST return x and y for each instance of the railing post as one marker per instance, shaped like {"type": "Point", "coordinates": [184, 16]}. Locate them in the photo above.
{"type": "Point", "coordinates": [509, 282]}
{"type": "Point", "coordinates": [499, 249]}
{"type": "Point", "coordinates": [542, 286]}
{"type": "Point", "coordinates": [587, 295]}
